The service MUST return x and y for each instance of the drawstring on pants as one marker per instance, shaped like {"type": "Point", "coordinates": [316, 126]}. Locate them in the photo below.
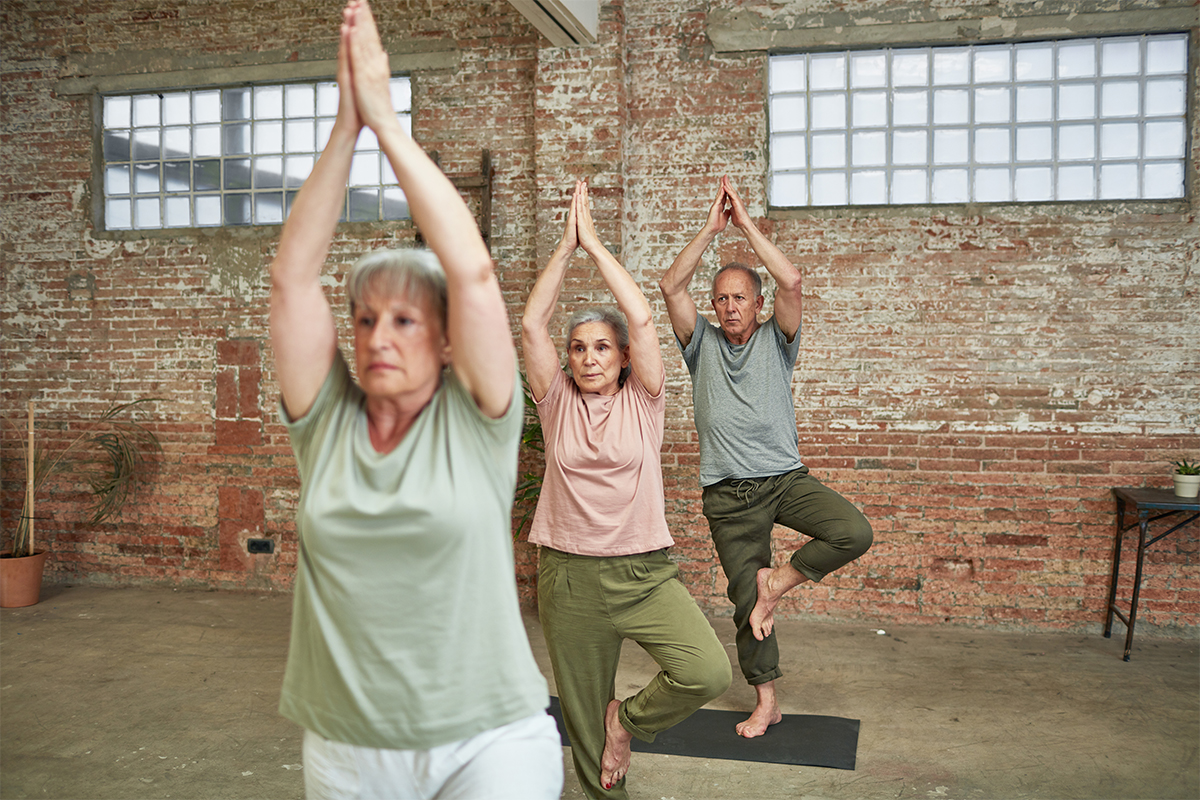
{"type": "Point", "coordinates": [744, 489]}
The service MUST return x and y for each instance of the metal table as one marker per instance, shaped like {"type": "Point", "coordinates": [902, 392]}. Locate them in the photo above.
{"type": "Point", "coordinates": [1148, 505]}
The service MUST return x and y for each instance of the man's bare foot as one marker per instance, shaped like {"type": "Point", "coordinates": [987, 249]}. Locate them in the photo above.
{"type": "Point", "coordinates": [762, 618]}
{"type": "Point", "coordinates": [766, 712]}
{"type": "Point", "coordinates": [759, 721]}
{"type": "Point", "coordinates": [614, 764]}
{"type": "Point", "coordinates": [773, 584]}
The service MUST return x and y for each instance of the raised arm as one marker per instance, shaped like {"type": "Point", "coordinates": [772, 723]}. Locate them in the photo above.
{"type": "Point", "coordinates": [681, 308]}
{"type": "Point", "coordinates": [482, 352]}
{"type": "Point", "coordinates": [787, 277]}
{"type": "Point", "coordinates": [645, 357]}
{"type": "Point", "coordinates": [541, 357]}
{"type": "Point", "coordinates": [303, 331]}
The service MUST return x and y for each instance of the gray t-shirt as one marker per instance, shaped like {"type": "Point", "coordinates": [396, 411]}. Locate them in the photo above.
{"type": "Point", "coordinates": [406, 629]}
{"type": "Point", "coordinates": [742, 396]}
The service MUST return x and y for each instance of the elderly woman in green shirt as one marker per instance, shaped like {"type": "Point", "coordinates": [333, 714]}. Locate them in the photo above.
{"type": "Point", "coordinates": [409, 666]}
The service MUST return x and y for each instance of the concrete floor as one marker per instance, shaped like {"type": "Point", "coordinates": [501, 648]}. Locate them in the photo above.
{"type": "Point", "coordinates": [159, 693]}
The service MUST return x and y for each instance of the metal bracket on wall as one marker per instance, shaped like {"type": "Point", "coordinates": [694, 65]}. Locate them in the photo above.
{"type": "Point", "coordinates": [481, 182]}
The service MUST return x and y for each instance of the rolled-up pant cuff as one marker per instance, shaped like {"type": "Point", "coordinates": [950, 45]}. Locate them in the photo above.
{"type": "Point", "coordinates": [627, 724]}
{"type": "Point", "coordinates": [766, 677]}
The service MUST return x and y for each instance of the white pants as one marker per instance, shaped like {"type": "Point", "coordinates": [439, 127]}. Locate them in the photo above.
{"type": "Point", "coordinates": [522, 760]}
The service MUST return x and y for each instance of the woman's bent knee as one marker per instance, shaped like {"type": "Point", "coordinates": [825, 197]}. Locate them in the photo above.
{"type": "Point", "coordinates": [722, 679]}
{"type": "Point", "coordinates": [711, 677]}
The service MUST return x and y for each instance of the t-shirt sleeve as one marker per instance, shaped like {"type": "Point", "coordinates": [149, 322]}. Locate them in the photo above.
{"type": "Point", "coordinates": [501, 429]}
{"type": "Point", "coordinates": [553, 396]}
{"type": "Point", "coordinates": [306, 432]}
{"type": "Point", "coordinates": [652, 399]}
{"type": "Point", "coordinates": [790, 350]}
{"type": "Point", "coordinates": [691, 352]}
{"type": "Point", "coordinates": [653, 407]}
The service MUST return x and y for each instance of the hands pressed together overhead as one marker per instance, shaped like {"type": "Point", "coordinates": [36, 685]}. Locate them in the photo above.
{"type": "Point", "coordinates": [541, 357]}
{"type": "Point", "coordinates": [727, 206]}
{"type": "Point", "coordinates": [363, 75]}
{"type": "Point", "coordinates": [580, 229]}
{"type": "Point", "coordinates": [476, 317]}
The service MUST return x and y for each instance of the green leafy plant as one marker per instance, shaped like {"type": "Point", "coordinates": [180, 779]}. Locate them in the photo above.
{"type": "Point", "coordinates": [109, 453]}
{"type": "Point", "coordinates": [1185, 467]}
{"type": "Point", "coordinates": [530, 488]}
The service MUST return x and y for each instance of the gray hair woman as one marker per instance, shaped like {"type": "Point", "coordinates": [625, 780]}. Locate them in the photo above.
{"type": "Point", "coordinates": [611, 317]}
{"type": "Point", "coordinates": [413, 272]}
{"type": "Point", "coordinates": [398, 574]}
{"type": "Point", "coordinates": [600, 519]}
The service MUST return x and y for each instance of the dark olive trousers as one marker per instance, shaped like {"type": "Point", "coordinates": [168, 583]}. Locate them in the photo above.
{"type": "Point", "coordinates": [741, 513]}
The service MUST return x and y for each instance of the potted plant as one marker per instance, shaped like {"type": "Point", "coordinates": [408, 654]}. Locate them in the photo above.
{"type": "Point", "coordinates": [1187, 478]}
{"type": "Point", "coordinates": [110, 453]}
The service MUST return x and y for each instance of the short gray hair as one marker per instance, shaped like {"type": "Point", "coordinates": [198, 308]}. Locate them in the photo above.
{"type": "Point", "coordinates": [414, 273]}
{"type": "Point", "coordinates": [755, 278]}
{"type": "Point", "coordinates": [610, 316]}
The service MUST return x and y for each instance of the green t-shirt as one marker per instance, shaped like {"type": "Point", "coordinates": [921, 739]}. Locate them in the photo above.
{"type": "Point", "coordinates": [406, 628]}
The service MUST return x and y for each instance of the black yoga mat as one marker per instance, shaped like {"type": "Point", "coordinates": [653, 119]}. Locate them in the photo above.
{"type": "Point", "coordinates": [806, 740]}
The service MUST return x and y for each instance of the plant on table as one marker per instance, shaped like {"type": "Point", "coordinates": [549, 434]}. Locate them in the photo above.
{"type": "Point", "coordinates": [1187, 478]}
{"type": "Point", "coordinates": [1185, 467]}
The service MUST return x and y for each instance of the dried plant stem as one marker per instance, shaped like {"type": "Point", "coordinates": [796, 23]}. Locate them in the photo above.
{"type": "Point", "coordinates": [28, 511]}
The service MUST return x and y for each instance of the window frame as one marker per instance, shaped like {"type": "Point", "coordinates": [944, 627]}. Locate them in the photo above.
{"type": "Point", "coordinates": [973, 126]}
{"type": "Point", "coordinates": [92, 75]}
{"type": "Point", "coordinates": [254, 118]}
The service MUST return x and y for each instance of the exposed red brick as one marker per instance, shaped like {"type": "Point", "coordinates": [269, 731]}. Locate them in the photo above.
{"type": "Point", "coordinates": [976, 381]}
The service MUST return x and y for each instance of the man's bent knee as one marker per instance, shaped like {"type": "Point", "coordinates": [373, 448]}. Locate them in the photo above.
{"type": "Point", "coordinates": [821, 557]}
{"type": "Point", "coordinates": [860, 538]}
{"type": "Point", "coordinates": [853, 537]}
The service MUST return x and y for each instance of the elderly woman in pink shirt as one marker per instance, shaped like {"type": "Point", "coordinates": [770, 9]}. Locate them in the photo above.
{"type": "Point", "coordinates": [603, 572]}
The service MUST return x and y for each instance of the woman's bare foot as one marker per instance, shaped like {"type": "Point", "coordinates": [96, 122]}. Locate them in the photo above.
{"type": "Point", "coordinates": [766, 713]}
{"type": "Point", "coordinates": [614, 764]}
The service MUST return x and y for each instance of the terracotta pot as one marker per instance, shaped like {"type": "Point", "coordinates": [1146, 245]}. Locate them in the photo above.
{"type": "Point", "coordinates": [21, 579]}
{"type": "Point", "coordinates": [1187, 485]}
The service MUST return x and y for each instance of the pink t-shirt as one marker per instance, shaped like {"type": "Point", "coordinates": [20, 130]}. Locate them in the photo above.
{"type": "Point", "coordinates": [603, 490]}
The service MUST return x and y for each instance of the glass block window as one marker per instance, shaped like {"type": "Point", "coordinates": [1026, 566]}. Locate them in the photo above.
{"type": "Point", "coordinates": [236, 156]}
{"type": "Point", "coordinates": [1085, 119]}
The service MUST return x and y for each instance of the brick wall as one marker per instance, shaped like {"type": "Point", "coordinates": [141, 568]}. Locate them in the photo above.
{"type": "Point", "coordinates": [976, 379]}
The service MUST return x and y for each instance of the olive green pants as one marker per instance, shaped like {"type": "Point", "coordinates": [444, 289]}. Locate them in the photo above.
{"type": "Point", "coordinates": [588, 605]}
{"type": "Point", "coordinates": [741, 514]}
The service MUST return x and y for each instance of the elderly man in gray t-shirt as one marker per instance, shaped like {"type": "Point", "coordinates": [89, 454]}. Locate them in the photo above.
{"type": "Point", "coordinates": [750, 466]}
